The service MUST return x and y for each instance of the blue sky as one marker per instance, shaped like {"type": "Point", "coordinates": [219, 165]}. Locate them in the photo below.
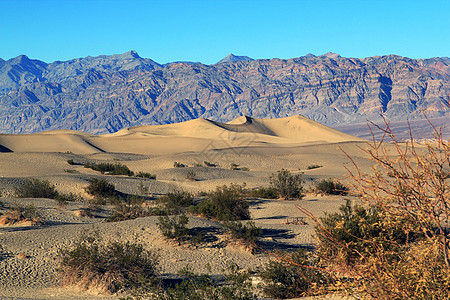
{"type": "Point", "coordinates": [207, 31]}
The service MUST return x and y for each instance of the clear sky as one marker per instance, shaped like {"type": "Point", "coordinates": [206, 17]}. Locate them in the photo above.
{"type": "Point", "coordinates": [206, 31]}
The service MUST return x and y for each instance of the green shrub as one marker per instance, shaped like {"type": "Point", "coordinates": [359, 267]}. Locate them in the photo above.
{"type": "Point", "coordinates": [296, 275]}
{"type": "Point", "coordinates": [225, 203]}
{"type": "Point", "coordinates": [288, 186]}
{"type": "Point", "coordinates": [62, 199]}
{"type": "Point", "coordinates": [35, 188]}
{"type": "Point", "coordinates": [177, 201]}
{"type": "Point", "coordinates": [266, 193]}
{"type": "Point", "coordinates": [329, 186]}
{"type": "Point", "coordinates": [246, 233]}
{"type": "Point", "coordinates": [355, 232]}
{"type": "Point", "coordinates": [112, 267]}
{"type": "Point", "coordinates": [100, 188]}
{"type": "Point", "coordinates": [174, 227]}
{"type": "Point", "coordinates": [72, 162]}
{"type": "Point", "coordinates": [133, 208]}
{"type": "Point", "coordinates": [146, 175]}
{"type": "Point", "coordinates": [110, 169]}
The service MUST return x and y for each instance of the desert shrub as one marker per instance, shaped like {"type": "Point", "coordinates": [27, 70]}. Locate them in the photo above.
{"type": "Point", "coordinates": [311, 167]}
{"type": "Point", "coordinates": [62, 199]}
{"type": "Point", "coordinates": [177, 201]}
{"type": "Point", "coordinates": [132, 208]}
{"type": "Point", "coordinates": [248, 233]}
{"type": "Point", "coordinates": [35, 188]}
{"type": "Point", "coordinates": [145, 175]}
{"type": "Point", "coordinates": [297, 274]}
{"type": "Point", "coordinates": [71, 171]}
{"type": "Point", "coordinates": [354, 232]}
{"type": "Point", "coordinates": [175, 227]}
{"type": "Point", "coordinates": [266, 193]}
{"type": "Point", "coordinates": [110, 169]}
{"type": "Point", "coordinates": [225, 203]}
{"type": "Point", "coordinates": [101, 189]}
{"type": "Point", "coordinates": [331, 187]}
{"type": "Point", "coordinates": [178, 165]}
{"type": "Point", "coordinates": [288, 185]}
{"type": "Point", "coordinates": [21, 213]}
{"type": "Point", "coordinates": [112, 267]}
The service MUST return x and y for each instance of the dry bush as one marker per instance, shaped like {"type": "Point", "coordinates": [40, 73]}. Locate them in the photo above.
{"type": "Point", "coordinates": [396, 246]}
{"type": "Point", "coordinates": [21, 214]}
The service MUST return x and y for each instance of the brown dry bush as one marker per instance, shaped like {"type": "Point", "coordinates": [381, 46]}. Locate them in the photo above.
{"type": "Point", "coordinates": [395, 245]}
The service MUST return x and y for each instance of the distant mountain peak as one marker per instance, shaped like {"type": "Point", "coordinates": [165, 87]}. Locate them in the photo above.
{"type": "Point", "coordinates": [331, 55]}
{"type": "Point", "coordinates": [129, 55]}
{"type": "Point", "coordinates": [234, 58]}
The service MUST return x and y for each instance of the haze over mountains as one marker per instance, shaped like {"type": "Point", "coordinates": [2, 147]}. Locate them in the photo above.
{"type": "Point", "coordinates": [107, 93]}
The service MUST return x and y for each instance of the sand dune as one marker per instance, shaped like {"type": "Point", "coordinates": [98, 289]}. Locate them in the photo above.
{"type": "Point", "coordinates": [193, 135]}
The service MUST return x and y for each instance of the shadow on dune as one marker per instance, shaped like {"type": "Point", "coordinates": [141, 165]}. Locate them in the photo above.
{"type": "Point", "coordinates": [4, 149]}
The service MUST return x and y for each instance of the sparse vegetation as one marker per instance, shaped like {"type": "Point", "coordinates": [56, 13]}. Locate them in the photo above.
{"type": "Point", "coordinates": [293, 275]}
{"type": "Point", "coordinates": [266, 193]}
{"type": "Point", "coordinates": [225, 204]}
{"type": "Point", "coordinates": [71, 171]}
{"type": "Point", "coordinates": [178, 165]}
{"type": "Point", "coordinates": [234, 166]}
{"type": "Point", "coordinates": [101, 189]}
{"type": "Point", "coordinates": [21, 213]}
{"type": "Point", "coordinates": [191, 175]}
{"type": "Point", "coordinates": [35, 188]}
{"type": "Point", "coordinates": [174, 227]}
{"type": "Point", "coordinates": [62, 199]}
{"type": "Point", "coordinates": [331, 187]}
{"type": "Point", "coordinates": [145, 175]}
{"type": "Point", "coordinates": [110, 169]}
{"type": "Point", "coordinates": [210, 164]}
{"type": "Point", "coordinates": [288, 185]}
{"type": "Point", "coordinates": [177, 201]}
{"type": "Point", "coordinates": [112, 267]}
{"type": "Point", "coordinates": [235, 286]}
{"type": "Point", "coordinates": [248, 233]}
{"type": "Point", "coordinates": [311, 167]}
{"type": "Point", "coordinates": [133, 208]}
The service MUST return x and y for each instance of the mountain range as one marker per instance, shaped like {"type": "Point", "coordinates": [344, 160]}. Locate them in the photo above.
{"type": "Point", "coordinates": [106, 93]}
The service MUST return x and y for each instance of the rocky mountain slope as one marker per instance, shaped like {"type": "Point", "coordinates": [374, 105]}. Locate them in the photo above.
{"type": "Point", "coordinates": [107, 93]}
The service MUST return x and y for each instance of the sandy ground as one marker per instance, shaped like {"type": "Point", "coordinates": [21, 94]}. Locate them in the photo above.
{"type": "Point", "coordinates": [262, 146]}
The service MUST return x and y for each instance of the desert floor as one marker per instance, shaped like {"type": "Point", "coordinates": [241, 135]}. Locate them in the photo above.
{"type": "Point", "coordinates": [262, 146]}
